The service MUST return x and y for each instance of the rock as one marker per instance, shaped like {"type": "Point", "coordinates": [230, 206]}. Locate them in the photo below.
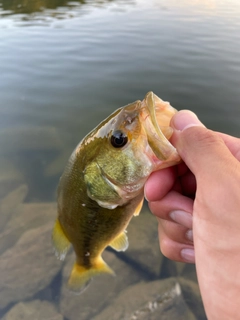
{"type": "Point", "coordinates": [189, 272]}
{"type": "Point", "coordinates": [30, 148]}
{"type": "Point", "coordinates": [101, 290]}
{"type": "Point", "coordinates": [57, 165]}
{"type": "Point", "coordinates": [10, 176]}
{"type": "Point", "coordinates": [25, 217]}
{"type": "Point", "coordinates": [19, 139]}
{"type": "Point", "coordinates": [28, 267]}
{"type": "Point", "coordinates": [191, 294]}
{"type": "Point", "coordinates": [174, 269]}
{"type": "Point", "coordinates": [143, 251]}
{"type": "Point", "coordinates": [34, 310]}
{"type": "Point", "coordinates": [10, 203]}
{"type": "Point", "coordinates": [160, 299]}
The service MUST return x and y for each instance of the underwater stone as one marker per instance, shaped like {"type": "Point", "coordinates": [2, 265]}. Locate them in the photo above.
{"type": "Point", "coordinates": [101, 291]}
{"type": "Point", "coordinates": [19, 139]}
{"type": "Point", "coordinates": [161, 299]}
{"type": "Point", "coordinates": [37, 310]}
{"type": "Point", "coordinates": [24, 217]}
{"type": "Point", "coordinates": [28, 267]}
{"type": "Point", "coordinates": [10, 176]}
{"type": "Point", "coordinates": [10, 203]}
{"type": "Point", "coordinates": [143, 248]}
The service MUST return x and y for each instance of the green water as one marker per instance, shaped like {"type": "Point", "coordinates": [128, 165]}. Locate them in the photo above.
{"type": "Point", "coordinates": [64, 66]}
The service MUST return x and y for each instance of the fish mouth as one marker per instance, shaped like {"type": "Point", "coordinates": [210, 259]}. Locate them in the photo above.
{"type": "Point", "coordinates": [157, 115]}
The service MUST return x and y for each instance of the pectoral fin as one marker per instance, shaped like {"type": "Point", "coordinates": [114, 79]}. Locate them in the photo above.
{"type": "Point", "coordinates": [120, 243]}
{"type": "Point", "coordinates": [60, 242]}
{"type": "Point", "coordinates": [139, 208]}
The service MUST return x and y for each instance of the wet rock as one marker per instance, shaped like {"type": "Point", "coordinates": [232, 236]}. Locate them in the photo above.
{"type": "Point", "coordinates": [161, 299]}
{"type": "Point", "coordinates": [37, 310]}
{"type": "Point", "coordinates": [28, 267]}
{"type": "Point", "coordinates": [24, 217]}
{"type": "Point", "coordinates": [10, 203]}
{"type": "Point", "coordinates": [101, 290]}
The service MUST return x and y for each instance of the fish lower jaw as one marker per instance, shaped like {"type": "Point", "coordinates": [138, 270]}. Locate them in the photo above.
{"type": "Point", "coordinates": [126, 194]}
{"type": "Point", "coordinates": [172, 158]}
{"type": "Point", "coordinates": [107, 205]}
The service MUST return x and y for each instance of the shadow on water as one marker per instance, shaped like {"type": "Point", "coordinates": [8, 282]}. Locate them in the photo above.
{"type": "Point", "coordinates": [143, 272]}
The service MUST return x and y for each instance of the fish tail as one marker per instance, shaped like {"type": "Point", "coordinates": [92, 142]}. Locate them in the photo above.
{"type": "Point", "coordinates": [81, 276]}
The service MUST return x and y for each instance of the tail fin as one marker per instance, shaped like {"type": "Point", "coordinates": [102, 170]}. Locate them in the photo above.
{"type": "Point", "coordinates": [81, 276]}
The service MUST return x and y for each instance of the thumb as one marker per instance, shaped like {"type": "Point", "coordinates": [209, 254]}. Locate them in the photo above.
{"type": "Point", "coordinates": [203, 150]}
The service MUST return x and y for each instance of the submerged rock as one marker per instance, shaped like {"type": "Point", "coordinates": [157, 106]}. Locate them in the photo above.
{"type": "Point", "coordinates": [10, 203]}
{"type": "Point", "coordinates": [10, 176]}
{"type": "Point", "coordinates": [55, 167]}
{"type": "Point", "coordinates": [25, 216]}
{"type": "Point", "coordinates": [100, 291]}
{"type": "Point", "coordinates": [34, 310]}
{"type": "Point", "coordinates": [143, 251]}
{"type": "Point", "coordinates": [178, 269]}
{"type": "Point", "coordinates": [28, 267]}
{"type": "Point", "coordinates": [19, 139]}
{"type": "Point", "coordinates": [161, 299]}
{"type": "Point", "coordinates": [191, 293]}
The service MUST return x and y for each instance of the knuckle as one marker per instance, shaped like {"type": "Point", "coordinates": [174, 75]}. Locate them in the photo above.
{"type": "Point", "coordinates": [167, 248]}
{"type": "Point", "coordinates": [204, 136]}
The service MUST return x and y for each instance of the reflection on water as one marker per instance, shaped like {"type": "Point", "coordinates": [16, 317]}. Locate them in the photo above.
{"type": "Point", "coordinates": [57, 9]}
{"type": "Point", "coordinates": [60, 78]}
{"type": "Point", "coordinates": [28, 7]}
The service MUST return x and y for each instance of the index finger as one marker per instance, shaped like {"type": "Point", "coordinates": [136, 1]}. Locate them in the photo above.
{"type": "Point", "coordinates": [160, 183]}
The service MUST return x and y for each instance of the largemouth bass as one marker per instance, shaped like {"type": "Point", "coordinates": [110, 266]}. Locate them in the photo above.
{"type": "Point", "coordinates": [102, 185]}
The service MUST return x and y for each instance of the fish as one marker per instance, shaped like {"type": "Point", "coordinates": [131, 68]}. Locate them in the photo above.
{"type": "Point", "coordinates": [102, 186]}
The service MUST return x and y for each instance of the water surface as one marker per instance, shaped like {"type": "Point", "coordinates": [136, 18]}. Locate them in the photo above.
{"type": "Point", "coordinates": [65, 65]}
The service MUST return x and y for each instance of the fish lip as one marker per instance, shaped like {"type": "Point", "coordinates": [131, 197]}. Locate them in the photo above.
{"type": "Point", "coordinates": [152, 112]}
{"type": "Point", "coordinates": [159, 143]}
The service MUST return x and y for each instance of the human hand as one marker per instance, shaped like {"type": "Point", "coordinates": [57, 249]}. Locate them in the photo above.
{"type": "Point", "coordinates": [197, 204]}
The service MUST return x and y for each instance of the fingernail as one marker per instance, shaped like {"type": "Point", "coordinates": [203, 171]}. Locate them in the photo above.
{"type": "Point", "coordinates": [182, 217]}
{"type": "Point", "coordinates": [185, 119]}
{"type": "Point", "coordinates": [188, 255]}
{"type": "Point", "coordinates": [189, 235]}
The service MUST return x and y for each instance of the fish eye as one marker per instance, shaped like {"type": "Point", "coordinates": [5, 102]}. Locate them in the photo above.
{"type": "Point", "coordinates": [118, 139]}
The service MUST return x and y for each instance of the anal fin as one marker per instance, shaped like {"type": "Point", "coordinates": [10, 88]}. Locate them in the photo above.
{"type": "Point", "coordinates": [60, 242]}
{"type": "Point", "coordinates": [120, 243]}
